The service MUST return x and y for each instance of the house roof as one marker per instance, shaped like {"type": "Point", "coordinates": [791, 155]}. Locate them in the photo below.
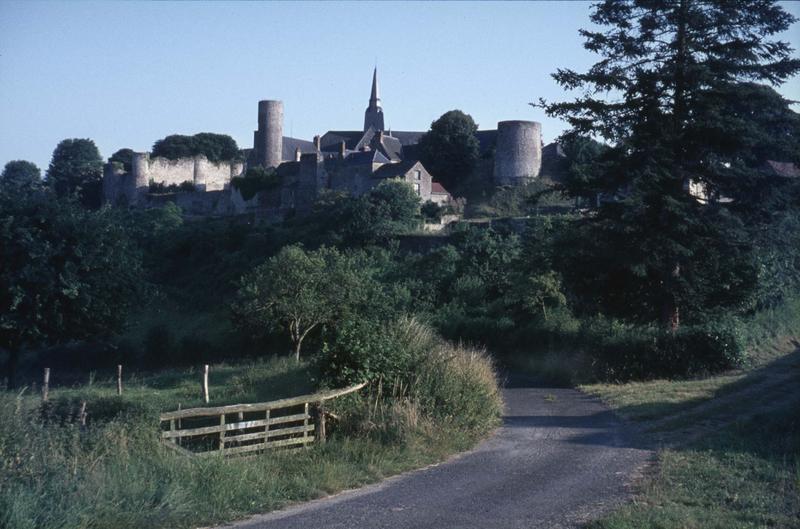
{"type": "Point", "coordinates": [438, 189]}
{"type": "Point", "coordinates": [291, 144]}
{"type": "Point", "coordinates": [364, 157]}
{"type": "Point", "coordinates": [394, 170]}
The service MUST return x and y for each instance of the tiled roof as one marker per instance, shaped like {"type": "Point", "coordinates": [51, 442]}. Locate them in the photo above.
{"type": "Point", "coordinates": [438, 188]}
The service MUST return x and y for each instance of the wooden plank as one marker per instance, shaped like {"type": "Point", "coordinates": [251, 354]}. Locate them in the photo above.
{"type": "Point", "coordinates": [260, 406]}
{"type": "Point", "coordinates": [271, 433]}
{"type": "Point", "coordinates": [191, 432]}
{"type": "Point", "coordinates": [258, 446]}
{"type": "Point", "coordinates": [179, 449]}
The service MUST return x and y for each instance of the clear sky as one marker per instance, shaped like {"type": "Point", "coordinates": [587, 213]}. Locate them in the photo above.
{"type": "Point", "coordinates": [128, 73]}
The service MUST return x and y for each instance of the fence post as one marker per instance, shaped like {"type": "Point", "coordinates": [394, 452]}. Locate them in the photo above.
{"type": "Point", "coordinates": [46, 384]}
{"type": "Point", "coordinates": [321, 422]}
{"type": "Point", "coordinates": [222, 432]}
{"type": "Point", "coordinates": [119, 379]}
{"type": "Point", "coordinates": [205, 383]}
{"type": "Point", "coordinates": [266, 429]}
{"type": "Point", "coordinates": [305, 424]}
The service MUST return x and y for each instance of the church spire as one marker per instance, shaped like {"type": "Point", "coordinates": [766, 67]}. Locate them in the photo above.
{"type": "Point", "coordinates": [374, 100]}
{"type": "Point", "coordinates": [373, 117]}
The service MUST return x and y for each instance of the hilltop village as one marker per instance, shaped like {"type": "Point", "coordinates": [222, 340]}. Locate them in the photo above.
{"type": "Point", "coordinates": [351, 161]}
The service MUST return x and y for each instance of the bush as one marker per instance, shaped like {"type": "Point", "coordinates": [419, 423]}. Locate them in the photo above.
{"type": "Point", "coordinates": [254, 180]}
{"type": "Point", "coordinates": [359, 352]}
{"type": "Point", "coordinates": [638, 352]}
{"type": "Point", "coordinates": [432, 212]}
{"type": "Point", "coordinates": [160, 187]}
{"type": "Point", "coordinates": [419, 381]}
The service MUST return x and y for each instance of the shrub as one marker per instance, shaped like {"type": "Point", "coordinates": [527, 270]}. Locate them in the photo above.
{"type": "Point", "coordinates": [432, 212]}
{"type": "Point", "coordinates": [639, 352]}
{"type": "Point", "coordinates": [254, 180]}
{"type": "Point", "coordinates": [419, 381]}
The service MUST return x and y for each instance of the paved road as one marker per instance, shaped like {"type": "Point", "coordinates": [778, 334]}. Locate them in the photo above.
{"type": "Point", "coordinates": [560, 458]}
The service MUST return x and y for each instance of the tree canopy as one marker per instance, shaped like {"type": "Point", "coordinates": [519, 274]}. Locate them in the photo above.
{"type": "Point", "coordinates": [661, 96]}
{"type": "Point", "coordinates": [215, 147]}
{"type": "Point", "coordinates": [65, 273]}
{"type": "Point", "coordinates": [20, 173]}
{"type": "Point", "coordinates": [123, 156]}
{"type": "Point", "coordinates": [76, 167]}
{"type": "Point", "coordinates": [450, 150]}
{"type": "Point", "coordinates": [297, 291]}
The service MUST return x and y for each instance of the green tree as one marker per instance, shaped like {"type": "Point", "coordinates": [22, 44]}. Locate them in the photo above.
{"type": "Point", "coordinates": [76, 167]}
{"type": "Point", "coordinates": [20, 173]}
{"type": "Point", "coordinates": [125, 157]}
{"type": "Point", "coordinates": [663, 81]}
{"type": "Point", "coordinates": [392, 208]}
{"type": "Point", "coordinates": [215, 147]}
{"type": "Point", "coordinates": [65, 273]}
{"type": "Point", "coordinates": [298, 291]}
{"type": "Point", "coordinates": [450, 149]}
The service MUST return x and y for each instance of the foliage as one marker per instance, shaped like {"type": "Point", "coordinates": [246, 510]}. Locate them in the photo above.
{"type": "Point", "coordinates": [298, 291]}
{"type": "Point", "coordinates": [254, 180]}
{"type": "Point", "coordinates": [187, 186]}
{"type": "Point", "coordinates": [432, 212]}
{"type": "Point", "coordinates": [450, 150]}
{"type": "Point", "coordinates": [76, 167]}
{"type": "Point", "coordinates": [20, 173]}
{"type": "Point", "coordinates": [215, 147]}
{"type": "Point", "coordinates": [645, 352]}
{"type": "Point", "coordinates": [65, 273]}
{"type": "Point", "coordinates": [670, 68]}
{"type": "Point", "coordinates": [125, 157]}
{"type": "Point", "coordinates": [390, 209]}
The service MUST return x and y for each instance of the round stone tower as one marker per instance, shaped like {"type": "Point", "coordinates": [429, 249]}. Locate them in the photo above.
{"type": "Point", "coordinates": [518, 155]}
{"type": "Point", "coordinates": [269, 136]}
{"type": "Point", "coordinates": [139, 181]}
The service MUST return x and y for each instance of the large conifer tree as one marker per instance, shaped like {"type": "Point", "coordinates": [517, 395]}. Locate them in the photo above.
{"type": "Point", "coordinates": [664, 95]}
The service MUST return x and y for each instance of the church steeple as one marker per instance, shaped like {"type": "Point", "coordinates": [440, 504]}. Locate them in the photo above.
{"type": "Point", "coordinates": [373, 117]}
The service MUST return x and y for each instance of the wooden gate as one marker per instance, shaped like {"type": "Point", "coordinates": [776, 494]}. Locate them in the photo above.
{"type": "Point", "coordinates": [245, 428]}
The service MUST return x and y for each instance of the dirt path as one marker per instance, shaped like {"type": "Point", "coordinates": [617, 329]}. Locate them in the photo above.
{"type": "Point", "coordinates": [560, 458]}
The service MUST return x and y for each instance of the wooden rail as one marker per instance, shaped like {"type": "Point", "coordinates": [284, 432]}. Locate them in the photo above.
{"type": "Point", "coordinates": [255, 427]}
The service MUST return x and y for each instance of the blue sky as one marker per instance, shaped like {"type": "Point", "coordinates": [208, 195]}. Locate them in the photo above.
{"type": "Point", "coordinates": [128, 73]}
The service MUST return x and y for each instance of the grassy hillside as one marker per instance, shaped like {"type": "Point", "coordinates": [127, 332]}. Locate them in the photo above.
{"type": "Point", "coordinates": [728, 447]}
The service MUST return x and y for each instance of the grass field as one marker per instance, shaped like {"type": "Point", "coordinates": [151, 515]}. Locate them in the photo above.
{"type": "Point", "coordinates": [114, 473]}
{"type": "Point", "coordinates": [728, 447]}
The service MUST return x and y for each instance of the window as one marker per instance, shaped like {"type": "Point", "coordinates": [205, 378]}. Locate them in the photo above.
{"type": "Point", "coordinates": [417, 175]}
{"type": "Point", "coordinates": [416, 188]}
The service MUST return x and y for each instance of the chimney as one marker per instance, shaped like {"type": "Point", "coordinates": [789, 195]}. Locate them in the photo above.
{"type": "Point", "coordinates": [317, 143]}
{"type": "Point", "coordinates": [297, 154]}
{"type": "Point", "coordinates": [342, 149]}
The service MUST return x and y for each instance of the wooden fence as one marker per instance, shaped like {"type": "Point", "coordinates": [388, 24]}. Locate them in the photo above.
{"type": "Point", "coordinates": [244, 428]}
